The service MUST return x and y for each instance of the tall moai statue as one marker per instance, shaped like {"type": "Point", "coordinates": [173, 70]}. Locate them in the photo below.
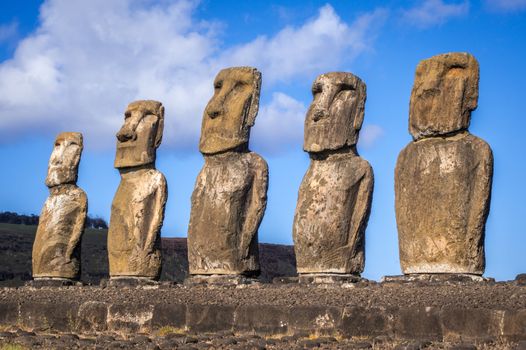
{"type": "Point", "coordinates": [443, 177]}
{"type": "Point", "coordinates": [230, 193]}
{"type": "Point", "coordinates": [56, 250]}
{"type": "Point", "coordinates": [334, 199]}
{"type": "Point", "coordinates": [137, 211]}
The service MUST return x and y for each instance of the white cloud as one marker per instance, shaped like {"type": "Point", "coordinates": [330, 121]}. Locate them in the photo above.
{"type": "Point", "coordinates": [317, 46]}
{"type": "Point", "coordinates": [88, 59]}
{"type": "Point", "coordinates": [506, 5]}
{"type": "Point", "coordinates": [429, 13]}
{"type": "Point", "coordinates": [280, 123]}
{"type": "Point", "coordinates": [369, 134]}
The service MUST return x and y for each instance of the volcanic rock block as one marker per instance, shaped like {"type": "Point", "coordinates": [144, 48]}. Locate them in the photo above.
{"type": "Point", "coordinates": [137, 212]}
{"type": "Point", "coordinates": [443, 178]}
{"type": "Point", "coordinates": [335, 195]}
{"type": "Point", "coordinates": [230, 193]}
{"type": "Point", "coordinates": [56, 250]}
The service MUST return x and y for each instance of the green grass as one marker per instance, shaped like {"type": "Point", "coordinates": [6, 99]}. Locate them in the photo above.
{"type": "Point", "coordinates": [32, 229]}
{"type": "Point", "coordinates": [12, 347]}
{"type": "Point", "coordinates": [16, 228]}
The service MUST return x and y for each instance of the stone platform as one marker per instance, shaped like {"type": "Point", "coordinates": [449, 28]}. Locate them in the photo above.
{"type": "Point", "coordinates": [389, 312]}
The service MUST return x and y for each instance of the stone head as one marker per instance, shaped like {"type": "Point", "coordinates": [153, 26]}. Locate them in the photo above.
{"type": "Point", "coordinates": [64, 161]}
{"type": "Point", "coordinates": [336, 113]}
{"type": "Point", "coordinates": [444, 93]}
{"type": "Point", "coordinates": [232, 111]}
{"type": "Point", "coordinates": [141, 134]}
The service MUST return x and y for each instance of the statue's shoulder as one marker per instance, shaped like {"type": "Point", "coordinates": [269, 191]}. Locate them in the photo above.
{"type": "Point", "coordinates": [256, 161]}
{"type": "Point", "coordinates": [156, 177]}
{"type": "Point", "coordinates": [479, 146]}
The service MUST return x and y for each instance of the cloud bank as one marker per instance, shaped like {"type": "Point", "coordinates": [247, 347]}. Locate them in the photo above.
{"type": "Point", "coordinates": [429, 13]}
{"type": "Point", "coordinates": [88, 59]}
{"type": "Point", "coordinates": [506, 5]}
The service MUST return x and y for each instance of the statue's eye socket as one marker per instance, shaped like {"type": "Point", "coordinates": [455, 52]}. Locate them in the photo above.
{"type": "Point", "coordinates": [127, 115]}
{"type": "Point", "coordinates": [240, 83]}
{"type": "Point", "coordinates": [218, 85]}
{"type": "Point", "coordinates": [316, 89]}
{"type": "Point", "coordinates": [57, 144]}
{"type": "Point", "coordinates": [346, 87]}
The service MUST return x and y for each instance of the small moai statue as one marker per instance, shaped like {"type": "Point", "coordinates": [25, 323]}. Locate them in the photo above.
{"type": "Point", "coordinates": [443, 177]}
{"type": "Point", "coordinates": [137, 211]}
{"type": "Point", "coordinates": [230, 193]}
{"type": "Point", "coordinates": [334, 199]}
{"type": "Point", "coordinates": [56, 250]}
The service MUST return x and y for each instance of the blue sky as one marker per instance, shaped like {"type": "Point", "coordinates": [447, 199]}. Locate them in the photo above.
{"type": "Point", "coordinates": [75, 65]}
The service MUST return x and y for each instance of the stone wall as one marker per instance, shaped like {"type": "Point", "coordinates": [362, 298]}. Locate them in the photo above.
{"type": "Point", "coordinates": [436, 312]}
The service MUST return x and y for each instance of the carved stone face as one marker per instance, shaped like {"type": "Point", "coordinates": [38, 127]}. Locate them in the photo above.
{"type": "Point", "coordinates": [336, 113]}
{"type": "Point", "coordinates": [232, 111]}
{"type": "Point", "coordinates": [64, 161]}
{"type": "Point", "coordinates": [444, 94]}
{"type": "Point", "coordinates": [141, 134]}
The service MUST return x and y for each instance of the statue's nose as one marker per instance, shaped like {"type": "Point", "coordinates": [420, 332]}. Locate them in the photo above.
{"type": "Point", "coordinates": [214, 113]}
{"type": "Point", "coordinates": [215, 109]}
{"type": "Point", "coordinates": [125, 134]}
{"type": "Point", "coordinates": [318, 114]}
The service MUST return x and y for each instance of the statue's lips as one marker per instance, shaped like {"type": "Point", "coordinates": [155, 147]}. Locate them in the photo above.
{"type": "Point", "coordinates": [125, 145]}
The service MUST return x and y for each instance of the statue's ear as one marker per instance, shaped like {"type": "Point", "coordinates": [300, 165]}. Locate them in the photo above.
{"type": "Point", "coordinates": [160, 127]}
{"type": "Point", "coordinates": [254, 103]}
{"type": "Point", "coordinates": [361, 91]}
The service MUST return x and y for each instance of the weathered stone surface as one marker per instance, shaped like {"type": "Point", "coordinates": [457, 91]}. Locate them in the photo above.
{"type": "Point", "coordinates": [56, 250]}
{"type": "Point", "coordinates": [169, 315]}
{"type": "Point", "coordinates": [130, 317]}
{"type": "Point", "coordinates": [327, 278]}
{"type": "Point", "coordinates": [92, 317]}
{"type": "Point", "coordinates": [137, 212]}
{"type": "Point", "coordinates": [232, 111]}
{"type": "Point", "coordinates": [209, 318]}
{"type": "Point", "coordinates": [262, 320]}
{"type": "Point", "coordinates": [418, 323]}
{"type": "Point", "coordinates": [462, 323]}
{"type": "Point", "coordinates": [437, 278]}
{"type": "Point", "coordinates": [220, 280]}
{"type": "Point", "coordinates": [49, 316]}
{"type": "Point", "coordinates": [444, 93]}
{"type": "Point", "coordinates": [335, 195]}
{"type": "Point", "coordinates": [358, 321]}
{"type": "Point", "coordinates": [478, 313]}
{"type": "Point", "coordinates": [230, 193]}
{"type": "Point", "coordinates": [336, 113]}
{"type": "Point", "coordinates": [443, 178]}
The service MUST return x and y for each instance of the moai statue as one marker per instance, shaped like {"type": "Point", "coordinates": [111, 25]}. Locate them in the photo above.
{"type": "Point", "coordinates": [56, 250]}
{"type": "Point", "coordinates": [230, 193]}
{"type": "Point", "coordinates": [137, 211]}
{"type": "Point", "coordinates": [443, 177]}
{"type": "Point", "coordinates": [334, 199]}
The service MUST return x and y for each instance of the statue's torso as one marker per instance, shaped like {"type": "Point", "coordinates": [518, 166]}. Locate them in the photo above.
{"type": "Point", "coordinates": [220, 201]}
{"type": "Point", "coordinates": [442, 199]}
{"type": "Point", "coordinates": [135, 215]}
{"type": "Point", "coordinates": [58, 220]}
{"type": "Point", "coordinates": [322, 224]}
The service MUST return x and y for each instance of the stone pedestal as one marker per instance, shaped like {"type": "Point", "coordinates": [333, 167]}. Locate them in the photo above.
{"type": "Point", "coordinates": [437, 278]}
{"type": "Point", "coordinates": [132, 282]}
{"type": "Point", "coordinates": [52, 282]}
{"type": "Point", "coordinates": [328, 278]}
{"type": "Point", "coordinates": [219, 280]}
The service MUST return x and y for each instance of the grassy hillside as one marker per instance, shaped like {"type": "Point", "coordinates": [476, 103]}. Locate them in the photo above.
{"type": "Point", "coordinates": [16, 242]}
